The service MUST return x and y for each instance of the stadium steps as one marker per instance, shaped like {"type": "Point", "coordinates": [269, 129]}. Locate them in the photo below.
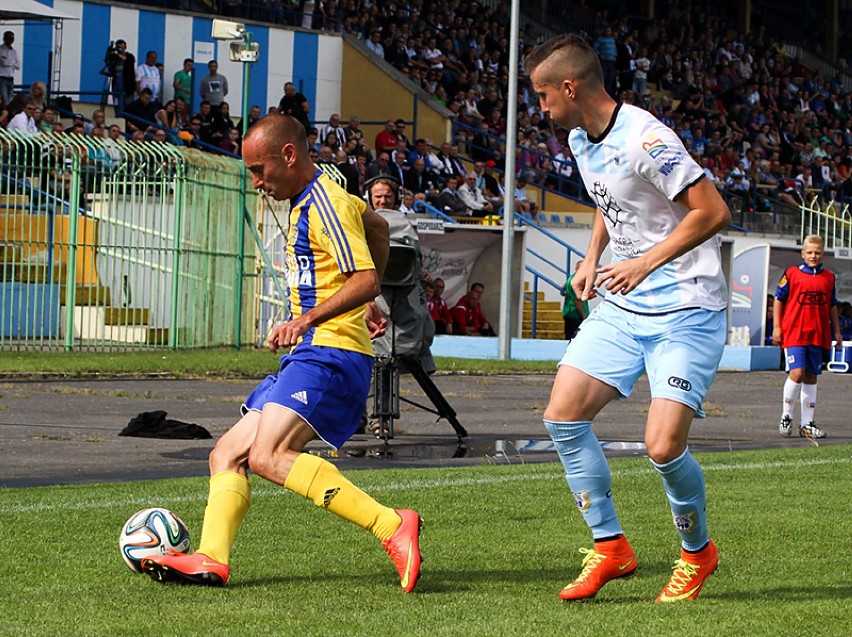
{"type": "Point", "coordinates": [549, 324]}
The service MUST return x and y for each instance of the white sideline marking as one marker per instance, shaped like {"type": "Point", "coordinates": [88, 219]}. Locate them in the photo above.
{"type": "Point", "coordinates": [396, 486]}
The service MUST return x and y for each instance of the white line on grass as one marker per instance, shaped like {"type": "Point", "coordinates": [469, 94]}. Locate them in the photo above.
{"type": "Point", "coordinates": [394, 486]}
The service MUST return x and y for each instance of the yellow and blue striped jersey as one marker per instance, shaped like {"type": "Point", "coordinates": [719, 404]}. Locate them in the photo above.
{"type": "Point", "coordinates": [325, 242]}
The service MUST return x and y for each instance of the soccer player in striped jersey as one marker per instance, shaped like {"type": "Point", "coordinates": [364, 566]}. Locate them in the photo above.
{"type": "Point", "coordinates": [804, 320]}
{"type": "Point", "coordinates": [336, 251]}
{"type": "Point", "coordinates": [663, 311]}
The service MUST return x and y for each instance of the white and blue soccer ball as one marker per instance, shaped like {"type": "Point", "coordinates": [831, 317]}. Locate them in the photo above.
{"type": "Point", "coordinates": [151, 532]}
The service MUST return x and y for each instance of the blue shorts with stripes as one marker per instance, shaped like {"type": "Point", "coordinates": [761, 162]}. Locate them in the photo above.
{"type": "Point", "coordinates": [326, 386]}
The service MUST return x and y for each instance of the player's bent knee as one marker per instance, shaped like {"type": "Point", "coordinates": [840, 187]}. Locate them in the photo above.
{"type": "Point", "coordinates": [664, 451]}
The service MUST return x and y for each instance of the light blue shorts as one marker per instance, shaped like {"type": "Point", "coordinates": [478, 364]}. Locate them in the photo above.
{"type": "Point", "coordinates": [327, 387]}
{"type": "Point", "coordinates": [680, 351]}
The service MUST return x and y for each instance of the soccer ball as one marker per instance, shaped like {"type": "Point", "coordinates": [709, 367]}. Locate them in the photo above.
{"type": "Point", "coordinates": [151, 532]}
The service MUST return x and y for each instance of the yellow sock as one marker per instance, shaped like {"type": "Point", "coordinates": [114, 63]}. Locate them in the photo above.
{"type": "Point", "coordinates": [227, 504]}
{"type": "Point", "coordinates": [320, 481]}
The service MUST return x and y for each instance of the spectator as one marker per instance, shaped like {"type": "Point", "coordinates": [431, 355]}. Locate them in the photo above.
{"type": "Point", "coordinates": [295, 104]}
{"type": "Point", "coordinates": [167, 116]}
{"type": "Point", "coordinates": [353, 129]}
{"type": "Point", "coordinates": [419, 179]}
{"type": "Point", "coordinates": [399, 126]}
{"type": "Point", "coordinates": [522, 202]}
{"type": "Point", "coordinates": [182, 82]}
{"type": "Point", "coordinates": [333, 126]}
{"type": "Point", "coordinates": [214, 86]}
{"type": "Point", "coordinates": [313, 140]}
{"type": "Point", "coordinates": [231, 143]}
{"type": "Point", "coordinates": [386, 140]}
{"type": "Point", "coordinates": [438, 309]}
{"type": "Point", "coordinates": [253, 118]}
{"type": "Point", "coordinates": [407, 205]}
{"type": "Point", "coordinates": [143, 108]}
{"type": "Point", "coordinates": [605, 47]}
{"type": "Point", "coordinates": [48, 119]}
{"type": "Point", "coordinates": [24, 121]}
{"type": "Point", "coordinates": [148, 76]}
{"type": "Point", "coordinates": [398, 167]}
{"type": "Point", "coordinates": [9, 63]}
{"type": "Point", "coordinates": [38, 93]}
{"type": "Point", "coordinates": [98, 121]}
{"type": "Point", "coordinates": [380, 167]}
{"type": "Point", "coordinates": [449, 201]}
{"type": "Point", "coordinates": [468, 319]}
{"type": "Point", "coordinates": [473, 198]}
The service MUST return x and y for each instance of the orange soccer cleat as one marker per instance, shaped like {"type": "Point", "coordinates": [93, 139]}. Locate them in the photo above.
{"type": "Point", "coordinates": [403, 547]}
{"type": "Point", "coordinates": [607, 561]}
{"type": "Point", "coordinates": [689, 574]}
{"type": "Point", "coordinates": [195, 568]}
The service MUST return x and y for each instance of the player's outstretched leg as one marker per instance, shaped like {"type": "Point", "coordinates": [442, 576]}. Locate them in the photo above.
{"type": "Point", "coordinates": [609, 560]}
{"type": "Point", "coordinates": [399, 530]}
{"type": "Point", "coordinates": [689, 574]}
{"type": "Point", "coordinates": [227, 505]}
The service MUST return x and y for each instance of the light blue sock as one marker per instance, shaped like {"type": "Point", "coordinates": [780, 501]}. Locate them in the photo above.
{"type": "Point", "coordinates": [587, 472]}
{"type": "Point", "coordinates": [684, 483]}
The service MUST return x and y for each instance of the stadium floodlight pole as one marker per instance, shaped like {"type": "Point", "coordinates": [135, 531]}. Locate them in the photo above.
{"type": "Point", "coordinates": [506, 296]}
{"type": "Point", "coordinates": [243, 50]}
{"type": "Point", "coordinates": [247, 62]}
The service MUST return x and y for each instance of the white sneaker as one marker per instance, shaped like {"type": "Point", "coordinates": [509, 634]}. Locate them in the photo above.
{"type": "Point", "coordinates": [811, 431]}
{"type": "Point", "coordinates": [785, 427]}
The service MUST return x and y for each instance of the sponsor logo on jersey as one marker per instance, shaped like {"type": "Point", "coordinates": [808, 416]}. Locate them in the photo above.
{"type": "Point", "coordinates": [654, 147]}
{"type": "Point", "coordinates": [686, 522]}
{"type": "Point", "coordinates": [815, 297]}
{"type": "Point", "coordinates": [665, 158]}
{"type": "Point", "coordinates": [680, 383]}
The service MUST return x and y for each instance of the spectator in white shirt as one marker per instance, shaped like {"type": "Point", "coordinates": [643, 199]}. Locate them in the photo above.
{"type": "Point", "coordinates": [473, 197]}
{"type": "Point", "coordinates": [24, 121]}
{"type": "Point", "coordinates": [9, 63]}
{"type": "Point", "coordinates": [148, 76]}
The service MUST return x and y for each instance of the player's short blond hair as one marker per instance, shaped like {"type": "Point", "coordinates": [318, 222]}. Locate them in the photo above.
{"type": "Point", "coordinates": [813, 238]}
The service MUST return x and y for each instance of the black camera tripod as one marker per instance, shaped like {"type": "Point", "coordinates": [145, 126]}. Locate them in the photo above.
{"type": "Point", "coordinates": [386, 396]}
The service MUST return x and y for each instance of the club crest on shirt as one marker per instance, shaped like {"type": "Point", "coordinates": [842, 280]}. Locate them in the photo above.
{"type": "Point", "coordinates": [606, 202]}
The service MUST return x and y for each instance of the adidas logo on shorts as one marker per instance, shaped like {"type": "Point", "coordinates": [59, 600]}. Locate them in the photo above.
{"type": "Point", "coordinates": [301, 396]}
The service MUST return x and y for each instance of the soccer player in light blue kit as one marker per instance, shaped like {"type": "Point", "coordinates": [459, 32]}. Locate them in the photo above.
{"type": "Point", "coordinates": [663, 311]}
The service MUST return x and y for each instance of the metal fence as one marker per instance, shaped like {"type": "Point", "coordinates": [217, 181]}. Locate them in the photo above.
{"type": "Point", "coordinates": [110, 245]}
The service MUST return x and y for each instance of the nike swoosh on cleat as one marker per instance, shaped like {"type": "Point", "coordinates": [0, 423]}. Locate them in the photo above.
{"type": "Point", "coordinates": [621, 567]}
{"type": "Point", "coordinates": [685, 595]}
{"type": "Point", "coordinates": [206, 563]}
{"type": "Point", "coordinates": [404, 581]}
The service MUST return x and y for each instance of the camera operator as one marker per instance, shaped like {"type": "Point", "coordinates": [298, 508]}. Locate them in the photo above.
{"type": "Point", "coordinates": [120, 65]}
{"type": "Point", "coordinates": [410, 328]}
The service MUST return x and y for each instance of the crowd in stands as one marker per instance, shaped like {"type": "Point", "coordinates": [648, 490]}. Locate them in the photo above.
{"type": "Point", "coordinates": [763, 126]}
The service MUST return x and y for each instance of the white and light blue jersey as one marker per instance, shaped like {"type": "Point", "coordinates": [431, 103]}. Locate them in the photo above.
{"type": "Point", "coordinates": [634, 172]}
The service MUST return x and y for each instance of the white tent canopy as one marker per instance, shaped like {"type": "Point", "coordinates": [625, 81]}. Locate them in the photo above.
{"type": "Point", "coordinates": [30, 10]}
